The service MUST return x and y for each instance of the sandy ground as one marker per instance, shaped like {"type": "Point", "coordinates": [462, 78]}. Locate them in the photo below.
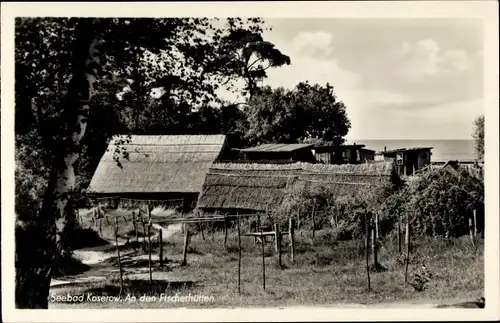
{"type": "Point", "coordinates": [170, 230]}
{"type": "Point", "coordinates": [93, 257]}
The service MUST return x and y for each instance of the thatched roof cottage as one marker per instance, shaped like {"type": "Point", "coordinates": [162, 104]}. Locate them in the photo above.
{"type": "Point", "coordinates": [257, 187]}
{"type": "Point", "coordinates": [157, 167]}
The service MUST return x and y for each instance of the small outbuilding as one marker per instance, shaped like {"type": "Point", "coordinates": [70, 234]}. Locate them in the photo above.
{"type": "Point", "coordinates": [343, 154]}
{"type": "Point", "coordinates": [408, 160]}
{"type": "Point", "coordinates": [278, 153]}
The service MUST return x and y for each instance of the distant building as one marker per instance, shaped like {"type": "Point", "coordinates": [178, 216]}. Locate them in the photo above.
{"type": "Point", "coordinates": [344, 154]}
{"type": "Point", "coordinates": [408, 160]}
{"type": "Point", "coordinates": [277, 154]}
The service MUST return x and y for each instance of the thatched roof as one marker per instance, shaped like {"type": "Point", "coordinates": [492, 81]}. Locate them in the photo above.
{"type": "Point", "coordinates": [393, 151]}
{"type": "Point", "coordinates": [157, 164]}
{"type": "Point", "coordinates": [257, 186]}
{"type": "Point", "coordinates": [271, 148]}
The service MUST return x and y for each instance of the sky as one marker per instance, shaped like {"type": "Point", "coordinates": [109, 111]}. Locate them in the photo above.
{"type": "Point", "coordinates": [399, 78]}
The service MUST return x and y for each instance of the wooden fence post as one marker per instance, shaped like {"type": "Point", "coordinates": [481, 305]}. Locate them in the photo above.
{"type": "Point", "coordinates": [277, 242]}
{"type": "Point", "coordinates": [200, 226]}
{"type": "Point", "coordinates": [119, 258]}
{"type": "Point", "coordinates": [225, 230]}
{"type": "Point", "coordinates": [375, 241]}
{"type": "Point", "coordinates": [374, 246]}
{"type": "Point", "coordinates": [399, 233]}
{"type": "Point", "coordinates": [160, 246]}
{"type": "Point", "coordinates": [367, 249]}
{"type": "Point", "coordinates": [276, 236]}
{"type": "Point", "coordinates": [143, 232]}
{"type": "Point", "coordinates": [135, 227]}
{"type": "Point", "coordinates": [313, 221]}
{"type": "Point", "coordinates": [186, 241]}
{"type": "Point", "coordinates": [239, 256]}
{"type": "Point", "coordinates": [474, 214]}
{"type": "Point", "coordinates": [407, 241]}
{"type": "Point", "coordinates": [149, 249]}
{"type": "Point", "coordinates": [471, 232]}
{"type": "Point", "coordinates": [263, 258]}
{"type": "Point", "coordinates": [291, 233]}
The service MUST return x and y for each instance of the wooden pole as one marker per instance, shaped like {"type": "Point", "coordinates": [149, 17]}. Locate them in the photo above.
{"type": "Point", "coordinates": [475, 223]}
{"type": "Point", "coordinates": [135, 227]}
{"type": "Point", "coordinates": [186, 240]}
{"type": "Point", "coordinates": [276, 238]}
{"type": "Point", "coordinates": [160, 246]}
{"type": "Point", "coordinates": [367, 251]}
{"type": "Point", "coordinates": [119, 258]}
{"type": "Point", "coordinates": [407, 241]}
{"type": "Point", "coordinates": [374, 246]}
{"type": "Point", "coordinates": [225, 230]}
{"type": "Point", "coordinates": [257, 229]}
{"type": "Point", "coordinates": [263, 258]}
{"type": "Point", "coordinates": [291, 233]}
{"type": "Point", "coordinates": [375, 241]}
{"type": "Point", "coordinates": [200, 225]}
{"type": "Point", "coordinates": [471, 232]}
{"type": "Point", "coordinates": [239, 255]}
{"type": "Point", "coordinates": [313, 221]}
{"type": "Point", "coordinates": [143, 231]}
{"type": "Point", "coordinates": [100, 226]}
{"type": "Point", "coordinates": [149, 250]}
{"type": "Point", "coordinates": [277, 242]}
{"type": "Point", "coordinates": [399, 233]}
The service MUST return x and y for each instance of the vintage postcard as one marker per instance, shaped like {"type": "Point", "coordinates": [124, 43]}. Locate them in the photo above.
{"type": "Point", "coordinates": [250, 161]}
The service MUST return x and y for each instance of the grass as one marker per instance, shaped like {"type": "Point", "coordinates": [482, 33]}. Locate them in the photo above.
{"type": "Point", "coordinates": [324, 273]}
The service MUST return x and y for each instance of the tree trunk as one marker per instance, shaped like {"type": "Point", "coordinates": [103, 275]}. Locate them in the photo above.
{"type": "Point", "coordinates": [38, 247]}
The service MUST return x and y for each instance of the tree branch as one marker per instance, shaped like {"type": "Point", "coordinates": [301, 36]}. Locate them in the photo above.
{"type": "Point", "coordinates": [250, 66]}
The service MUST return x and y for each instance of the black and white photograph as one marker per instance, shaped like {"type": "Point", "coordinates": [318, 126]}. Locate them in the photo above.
{"type": "Point", "coordinates": [243, 159]}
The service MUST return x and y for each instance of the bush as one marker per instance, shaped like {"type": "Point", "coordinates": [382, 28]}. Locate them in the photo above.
{"type": "Point", "coordinates": [345, 212]}
{"type": "Point", "coordinates": [440, 203]}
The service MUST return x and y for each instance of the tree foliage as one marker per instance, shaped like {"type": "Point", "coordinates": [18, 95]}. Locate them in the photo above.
{"type": "Point", "coordinates": [305, 112]}
{"type": "Point", "coordinates": [60, 74]}
{"type": "Point", "coordinates": [179, 58]}
{"type": "Point", "coordinates": [245, 54]}
{"type": "Point", "coordinates": [478, 136]}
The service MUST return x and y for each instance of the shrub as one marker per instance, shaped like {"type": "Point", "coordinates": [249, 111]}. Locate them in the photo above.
{"type": "Point", "coordinates": [421, 279]}
{"type": "Point", "coordinates": [441, 202]}
{"type": "Point", "coordinates": [346, 212]}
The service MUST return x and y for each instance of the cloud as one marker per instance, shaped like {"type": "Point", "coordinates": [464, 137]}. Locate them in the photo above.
{"type": "Point", "coordinates": [400, 79]}
{"type": "Point", "coordinates": [426, 58]}
{"type": "Point", "coordinates": [317, 43]}
{"type": "Point", "coordinates": [312, 61]}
